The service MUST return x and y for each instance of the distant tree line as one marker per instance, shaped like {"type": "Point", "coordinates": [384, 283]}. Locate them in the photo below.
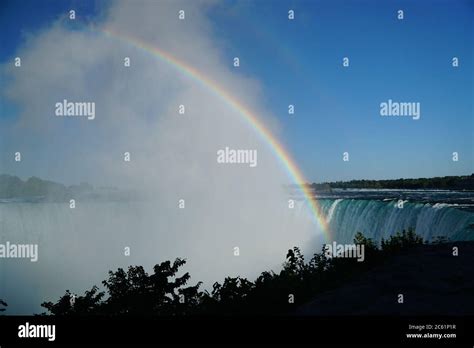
{"type": "Point", "coordinates": [163, 292]}
{"type": "Point", "coordinates": [465, 182]}
{"type": "Point", "coordinates": [14, 187]}
{"type": "Point", "coordinates": [43, 190]}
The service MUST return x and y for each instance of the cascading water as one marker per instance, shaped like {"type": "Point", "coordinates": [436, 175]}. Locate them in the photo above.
{"type": "Point", "coordinates": [379, 219]}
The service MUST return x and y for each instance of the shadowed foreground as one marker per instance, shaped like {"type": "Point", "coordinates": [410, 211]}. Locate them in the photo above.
{"type": "Point", "coordinates": [431, 279]}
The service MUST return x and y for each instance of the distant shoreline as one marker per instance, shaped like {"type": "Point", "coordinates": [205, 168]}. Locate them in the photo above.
{"type": "Point", "coordinates": [456, 183]}
{"type": "Point", "coordinates": [13, 187]}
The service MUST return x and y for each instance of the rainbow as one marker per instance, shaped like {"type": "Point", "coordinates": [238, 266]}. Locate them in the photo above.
{"type": "Point", "coordinates": [281, 154]}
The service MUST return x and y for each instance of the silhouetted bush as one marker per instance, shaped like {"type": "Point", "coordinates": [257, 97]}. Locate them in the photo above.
{"type": "Point", "coordinates": [134, 292]}
{"type": "Point", "coordinates": [400, 241]}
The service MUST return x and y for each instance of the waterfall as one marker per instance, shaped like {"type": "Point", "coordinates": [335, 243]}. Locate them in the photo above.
{"type": "Point", "coordinates": [379, 219]}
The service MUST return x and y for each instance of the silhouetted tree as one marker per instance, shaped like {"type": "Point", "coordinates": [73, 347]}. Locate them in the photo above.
{"type": "Point", "coordinates": [70, 304]}
{"type": "Point", "coordinates": [4, 304]}
{"type": "Point", "coordinates": [164, 293]}
{"type": "Point", "coordinates": [400, 241]}
{"type": "Point", "coordinates": [135, 292]}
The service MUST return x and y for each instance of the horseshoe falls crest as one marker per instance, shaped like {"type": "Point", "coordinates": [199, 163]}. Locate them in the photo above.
{"type": "Point", "coordinates": [450, 216]}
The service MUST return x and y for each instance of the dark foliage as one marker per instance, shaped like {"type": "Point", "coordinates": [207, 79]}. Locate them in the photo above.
{"type": "Point", "coordinates": [401, 241]}
{"type": "Point", "coordinates": [134, 292]}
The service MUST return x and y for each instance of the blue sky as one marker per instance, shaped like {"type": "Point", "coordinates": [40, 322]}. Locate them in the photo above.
{"type": "Point", "coordinates": [337, 109]}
